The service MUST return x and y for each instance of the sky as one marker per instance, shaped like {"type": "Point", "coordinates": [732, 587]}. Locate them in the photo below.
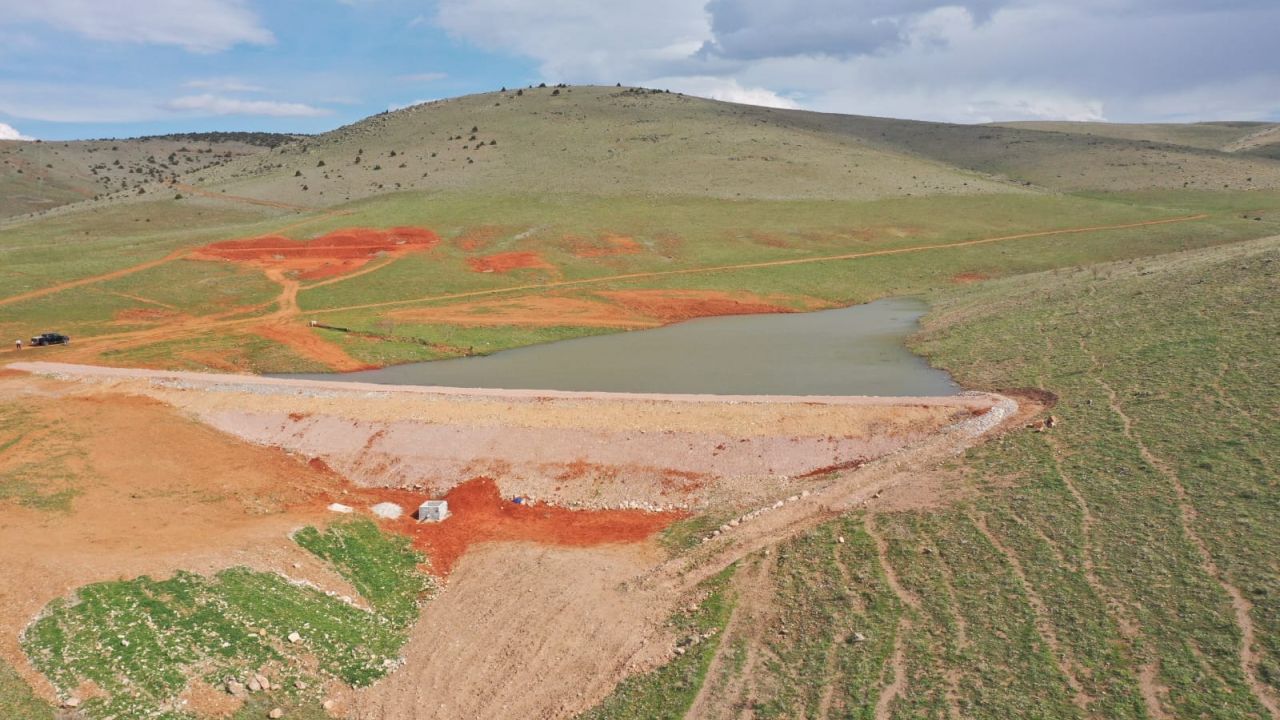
{"type": "Point", "coordinates": [120, 68]}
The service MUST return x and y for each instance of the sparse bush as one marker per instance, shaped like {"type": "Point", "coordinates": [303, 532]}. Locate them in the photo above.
{"type": "Point", "coordinates": [320, 164]}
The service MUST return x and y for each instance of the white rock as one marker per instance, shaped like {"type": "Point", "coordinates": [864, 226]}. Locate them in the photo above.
{"type": "Point", "coordinates": [327, 704]}
{"type": "Point", "coordinates": [387, 510]}
{"type": "Point", "coordinates": [296, 638]}
{"type": "Point", "coordinates": [276, 714]}
{"type": "Point", "coordinates": [340, 508]}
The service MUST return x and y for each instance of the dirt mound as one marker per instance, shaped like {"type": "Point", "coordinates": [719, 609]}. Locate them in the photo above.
{"type": "Point", "coordinates": [335, 253]}
{"type": "Point", "coordinates": [508, 261]}
{"type": "Point", "coordinates": [669, 306]}
{"type": "Point", "coordinates": [478, 513]}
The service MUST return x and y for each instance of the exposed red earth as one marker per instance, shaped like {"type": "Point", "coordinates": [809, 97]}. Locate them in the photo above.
{"type": "Point", "coordinates": [479, 513]}
{"type": "Point", "coordinates": [335, 253]}
{"type": "Point", "coordinates": [508, 261]}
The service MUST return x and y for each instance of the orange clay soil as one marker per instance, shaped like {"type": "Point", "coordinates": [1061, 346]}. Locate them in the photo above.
{"type": "Point", "coordinates": [508, 261]}
{"type": "Point", "coordinates": [532, 311]}
{"type": "Point", "coordinates": [336, 253]}
{"type": "Point", "coordinates": [606, 246]}
{"type": "Point", "coordinates": [670, 306]}
{"type": "Point", "coordinates": [479, 237]}
{"type": "Point", "coordinates": [969, 277]}
{"type": "Point", "coordinates": [478, 513]}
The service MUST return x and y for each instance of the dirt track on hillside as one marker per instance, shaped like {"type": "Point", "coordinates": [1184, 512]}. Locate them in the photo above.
{"type": "Point", "coordinates": [765, 264]}
{"type": "Point", "coordinates": [314, 345]}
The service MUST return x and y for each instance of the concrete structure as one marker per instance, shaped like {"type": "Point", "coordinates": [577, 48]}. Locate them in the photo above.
{"type": "Point", "coordinates": [433, 511]}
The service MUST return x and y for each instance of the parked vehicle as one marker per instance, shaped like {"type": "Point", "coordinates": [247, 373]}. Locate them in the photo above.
{"type": "Point", "coordinates": [49, 339]}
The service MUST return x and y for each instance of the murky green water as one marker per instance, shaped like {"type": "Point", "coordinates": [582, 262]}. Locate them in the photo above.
{"type": "Point", "coordinates": [850, 351]}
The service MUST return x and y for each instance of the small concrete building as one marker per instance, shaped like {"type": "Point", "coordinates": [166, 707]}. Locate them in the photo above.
{"type": "Point", "coordinates": [433, 511]}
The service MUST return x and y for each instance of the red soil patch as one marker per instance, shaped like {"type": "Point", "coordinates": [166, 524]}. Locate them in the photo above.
{"type": "Point", "coordinates": [508, 261]}
{"type": "Point", "coordinates": [969, 277]}
{"type": "Point", "coordinates": [479, 237]}
{"type": "Point", "coordinates": [478, 513]}
{"type": "Point", "coordinates": [669, 306]}
{"type": "Point", "coordinates": [607, 246]}
{"type": "Point", "coordinates": [533, 311]}
{"type": "Point", "coordinates": [336, 253]}
{"type": "Point", "coordinates": [305, 342]}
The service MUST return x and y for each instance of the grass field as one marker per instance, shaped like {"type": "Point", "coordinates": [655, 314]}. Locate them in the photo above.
{"type": "Point", "coordinates": [1120, 565]}
{"type": "Point", "coordinates": [140, 643]}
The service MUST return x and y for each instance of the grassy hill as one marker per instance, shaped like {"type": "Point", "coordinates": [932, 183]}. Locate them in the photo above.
{"type": "Point", "coordinates": [617, 141]}
{"type": "Point", "coordinates": [1118, 566]}
{"type": "Point", "coordinates": [1225, 136]}
{"type": "Point", "coordinates": [39, 176]}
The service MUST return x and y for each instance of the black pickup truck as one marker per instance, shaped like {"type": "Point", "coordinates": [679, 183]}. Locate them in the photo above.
{"type": "Point", "coordinates": [49, 339]}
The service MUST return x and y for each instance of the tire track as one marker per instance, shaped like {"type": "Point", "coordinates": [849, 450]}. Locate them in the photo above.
{"type": "Point", "coordinates": [1044, 625]}
{"type": "Point", "coordinates": [911, 604]}
{"type": "Point", "coordinates": [1187, 514]}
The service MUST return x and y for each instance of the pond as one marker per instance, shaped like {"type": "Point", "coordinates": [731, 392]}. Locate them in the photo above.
{"type": "Point", "coordinates": [858, 350]}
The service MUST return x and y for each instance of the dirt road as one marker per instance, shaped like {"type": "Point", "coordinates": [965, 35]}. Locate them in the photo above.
{"type": "Point", "coordinates": [757, 265]}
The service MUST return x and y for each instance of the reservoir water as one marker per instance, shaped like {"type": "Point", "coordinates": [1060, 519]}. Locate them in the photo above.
{"type": "Point", "coordinates": [858, 350]}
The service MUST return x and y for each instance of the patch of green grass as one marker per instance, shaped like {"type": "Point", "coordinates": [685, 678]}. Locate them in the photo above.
{"type": "Point", "coordinates": [669, 691]}
{"type": "Point", "coordinates": [17, 700]}
{"type": "Point", "coordinates": [1166, 378]}
{"type": "Point", "coordinates": [829, 644]}
{"type": "Point", "coordinates": [684, 534]}
{"type": "Point", "coordinates": [142, 641]}
{"type": "Point", "coordinates": [383, 568]}
{"type": "Point", "coordinates": [49, 483]}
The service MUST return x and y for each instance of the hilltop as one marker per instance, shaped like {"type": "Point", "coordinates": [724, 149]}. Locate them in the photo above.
{"type": "Point", "coordinates": [630, 141]}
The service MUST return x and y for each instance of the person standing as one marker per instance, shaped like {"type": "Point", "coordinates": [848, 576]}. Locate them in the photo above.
{"type": "Point", "coordinates": [18, 343]}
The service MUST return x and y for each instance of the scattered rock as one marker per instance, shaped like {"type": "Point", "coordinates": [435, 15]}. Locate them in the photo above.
{"type": "Point", "coordinates": [235, 688]}
{"type": "Point", "coordinates": [276, 714]}
{"type": "Point", "coordinates": [295, 638]}
{"type": "Point", "coordinates": [327, 704]}
{"type": "Point", "coordinates": [299, 684]}
{"type": "Point", "coordinates": [71, 702]}
{"type": "Point", "coordinates": [340, 508]}
{"type": "Point", "coordinates": [840, 539]}
{"type": "Point", "coordinates": [858, 637]}
{"type": "Point", "coordinates": [254, 685]}
{"type": "Point", "coordinates": [263, 682]}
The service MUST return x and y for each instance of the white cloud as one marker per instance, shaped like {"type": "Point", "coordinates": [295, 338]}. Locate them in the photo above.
{"type": "Point", "coordinates": [74, 102]}
{"type": "Point", "coordinates": [202, 26]}
{"type": "Point", "coordinates": [210, 104]}
{"type": "Point", "coordinates": [952, 60]}
{"type": "Point", "coordinates": [601, 41]}
{"type": "Point", "coordinates": [726, 89]}
{"type": "Point", "coordinates": [223, 84]}
{"type": "Point", "coordinates": [9, 132]}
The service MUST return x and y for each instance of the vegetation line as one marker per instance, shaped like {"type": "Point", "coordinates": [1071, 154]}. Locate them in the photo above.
{"type": "Point", "coordinates": [1044, 625]}
{"type": "Point", "coordinates": [1240, 605]}
{"type": "Point", "coordinates": [756, 265]}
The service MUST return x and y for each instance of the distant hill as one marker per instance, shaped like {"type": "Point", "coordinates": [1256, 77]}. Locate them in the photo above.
{"type": "Point", "coordinates": [604, 140]}
{"type": "Point", "coordinates": [38, 176]}
{"type": "Point", "coordinates": [631, 141]}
